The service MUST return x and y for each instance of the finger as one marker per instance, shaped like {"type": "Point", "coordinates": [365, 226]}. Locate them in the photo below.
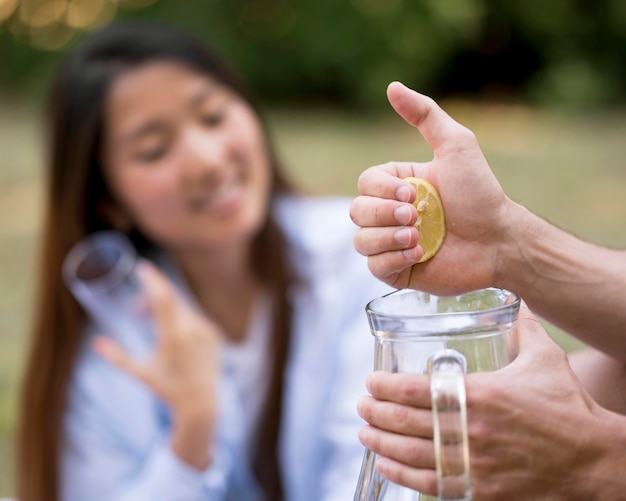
{"type": "Point", "coordinates": [386, 181]}
{"type": "Point", "coordinates": [387, 265]}
{"type": "Point", "coordinates": [115, 355]}
{"type": "Point", "coordinates": [531, 333]}
{"type": "Point", "coordinates": [409, 389]}
{"type": "Point", "coordinates": [436, 126]}
{"type": "Point", "coordinates": [160, 293]}
{"type": "Point", "coordinates": [413, 451]}
{"type": "Point", "coordinates": [420, 480]}
{"type": "Point", "coordinates": [372, 241]}
{"type": "Point", "coordinates": [402, 419]}
{"type": "Point", "coordinates": [375, 211]}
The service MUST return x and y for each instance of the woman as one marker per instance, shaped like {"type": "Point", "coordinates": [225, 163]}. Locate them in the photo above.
{"type": "Point", "coordinates": [250, 388]}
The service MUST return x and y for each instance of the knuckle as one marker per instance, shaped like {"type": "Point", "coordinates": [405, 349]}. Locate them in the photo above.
{"type": "Point", "coordinates": [378, 213]}
{"type": "Point", "coordinates": [478, 432]}
{"type": "Point", "coordinates": [411, 390]}
{"type": "Point", "coordinates": [468, 135]}
{"type": "Point", "coordinates": [486, 491]}
{"type": "Point", "coordinates": [412, 452]}
{"type": "Point", "coordinates": [463, 139]}
{"type": "Point", "coordinates": [482, 393]}
{"type": "Point", "coordinates": [401, 414]}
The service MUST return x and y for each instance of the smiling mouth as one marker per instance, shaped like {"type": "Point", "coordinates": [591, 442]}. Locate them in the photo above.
{"type": "Point", "coordinates": [220, 200]}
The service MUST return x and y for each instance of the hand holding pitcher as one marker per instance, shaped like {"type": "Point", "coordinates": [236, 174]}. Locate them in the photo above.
{"type": "Point", "coordinates": [508, 448]}
{"type": "Point", "coordinates": [443, 337]}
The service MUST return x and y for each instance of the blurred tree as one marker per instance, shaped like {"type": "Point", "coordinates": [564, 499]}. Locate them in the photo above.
{"type": "Point", "coordinates": [562, 52]}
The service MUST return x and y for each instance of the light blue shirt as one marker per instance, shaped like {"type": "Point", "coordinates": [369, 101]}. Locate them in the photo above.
{"type": "Point", "coordinates": [117, 431]}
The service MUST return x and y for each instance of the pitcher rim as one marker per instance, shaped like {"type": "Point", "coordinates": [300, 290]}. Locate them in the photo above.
{"type": "Point", "coordinates": [514, 304]}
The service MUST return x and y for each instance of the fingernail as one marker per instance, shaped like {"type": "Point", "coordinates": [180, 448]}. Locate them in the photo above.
{"type": "Point", "coordinates": [411, 254]}
{"type": "Point", "coordinates": [402, 214]}
{"type": "Point", "coordinates": [363, 434]}
{"type": "Point", "coordinates": [403, 237]}
{"type": "Point", "coordinates": [382, 464]}
{"type": "Point", "coordinates": [403, 193]}
{"type": "Point", "coordinates": [359, 405]}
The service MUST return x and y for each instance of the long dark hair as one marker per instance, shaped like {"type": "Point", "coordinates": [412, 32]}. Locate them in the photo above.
{"type": "Point", "coordinates": [76, 187]}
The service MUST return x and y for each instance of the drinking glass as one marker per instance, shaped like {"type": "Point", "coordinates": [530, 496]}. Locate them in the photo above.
{"type": "Point", "coordinates": [446, 337]}
{"type": "Point", "coordinates": [100, 271]}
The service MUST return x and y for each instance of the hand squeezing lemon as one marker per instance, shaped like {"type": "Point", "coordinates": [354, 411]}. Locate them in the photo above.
{"type": "Point", "coordinates": [431, 220]}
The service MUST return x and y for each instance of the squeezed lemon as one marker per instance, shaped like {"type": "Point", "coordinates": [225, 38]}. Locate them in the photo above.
{"type": "Point", "coordinates": [431, 219]}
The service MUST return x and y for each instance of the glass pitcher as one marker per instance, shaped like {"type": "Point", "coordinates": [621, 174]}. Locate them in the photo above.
{"type": "Point", "coordinates": [446, 337]}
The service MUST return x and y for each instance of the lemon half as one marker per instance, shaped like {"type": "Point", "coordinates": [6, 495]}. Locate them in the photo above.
{"type": "Point", "coordinates": [431, 219]}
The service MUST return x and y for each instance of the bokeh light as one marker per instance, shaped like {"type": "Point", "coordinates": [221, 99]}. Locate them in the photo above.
{"type": "Point", "coordinates": [7, 7]}
{"type": "Point", "coordinates": [52, 24]}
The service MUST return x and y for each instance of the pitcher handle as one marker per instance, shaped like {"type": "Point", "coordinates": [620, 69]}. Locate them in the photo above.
{"type": "Point", "coordinates": [447, 388]}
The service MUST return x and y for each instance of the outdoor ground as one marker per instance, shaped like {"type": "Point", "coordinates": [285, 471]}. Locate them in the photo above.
{"type": "Point", "coordinates": [569, 168]}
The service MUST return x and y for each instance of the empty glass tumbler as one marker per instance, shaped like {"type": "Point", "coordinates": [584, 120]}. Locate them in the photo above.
{"type": "Point", "coordinates": [446, 337]}
{"type": "Point", "coordinates": [100, 271]}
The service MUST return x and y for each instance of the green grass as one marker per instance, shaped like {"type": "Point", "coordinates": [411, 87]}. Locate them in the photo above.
{"type": "Point", "coordinates": [569, 168]}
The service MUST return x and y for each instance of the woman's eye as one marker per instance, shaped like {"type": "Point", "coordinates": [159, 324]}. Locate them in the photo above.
{"type": "Point", "coordinates": [152, 154]}
{"type": "Point", "coordinates": [213, 119]}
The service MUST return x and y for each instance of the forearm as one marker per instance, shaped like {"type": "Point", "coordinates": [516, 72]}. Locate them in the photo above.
{"type": "Point", "coordinates": [602, 376]}
{"type": "Point", "coordinates": [576, 285]}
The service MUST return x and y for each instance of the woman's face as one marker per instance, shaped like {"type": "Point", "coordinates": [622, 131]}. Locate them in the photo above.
{"type": "Point", "coordinates": [185, 158]}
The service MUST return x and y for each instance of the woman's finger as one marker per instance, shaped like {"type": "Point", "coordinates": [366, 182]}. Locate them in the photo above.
{"type": "Point", "coordinates": [113, 353]}
{"type": "Point", "coordinates": [160, 293]}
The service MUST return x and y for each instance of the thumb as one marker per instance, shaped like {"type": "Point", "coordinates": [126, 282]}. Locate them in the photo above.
{"type": "Point", "coordinates": [435, 125]}
{"type": "Point", "coordinates": [531, 333]}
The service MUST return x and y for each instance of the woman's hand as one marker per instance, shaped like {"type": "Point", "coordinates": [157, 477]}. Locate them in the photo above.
{"type": "Point", "coordinates": [478, 213]}
{"type": "Point", "coordinates": [182, 371]}
{"type": "Point", "coordinates": [534, 432]}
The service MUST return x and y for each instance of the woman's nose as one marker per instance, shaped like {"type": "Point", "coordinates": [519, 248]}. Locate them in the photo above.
{"type": "Point", "coordinates": [204, 151]}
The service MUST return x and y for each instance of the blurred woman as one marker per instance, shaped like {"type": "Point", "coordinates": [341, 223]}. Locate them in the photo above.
{"type": "Point", "coordinates": [250, 387]}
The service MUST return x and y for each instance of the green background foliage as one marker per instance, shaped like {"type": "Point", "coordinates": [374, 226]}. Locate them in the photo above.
{"type": "Point", "coordinates": [561, 52]}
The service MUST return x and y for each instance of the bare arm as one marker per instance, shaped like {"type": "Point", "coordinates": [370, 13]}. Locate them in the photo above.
{"type": "Point", "coordinates": [602, 376]}
{"type": "Point", "coordinates": [576, 285]}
